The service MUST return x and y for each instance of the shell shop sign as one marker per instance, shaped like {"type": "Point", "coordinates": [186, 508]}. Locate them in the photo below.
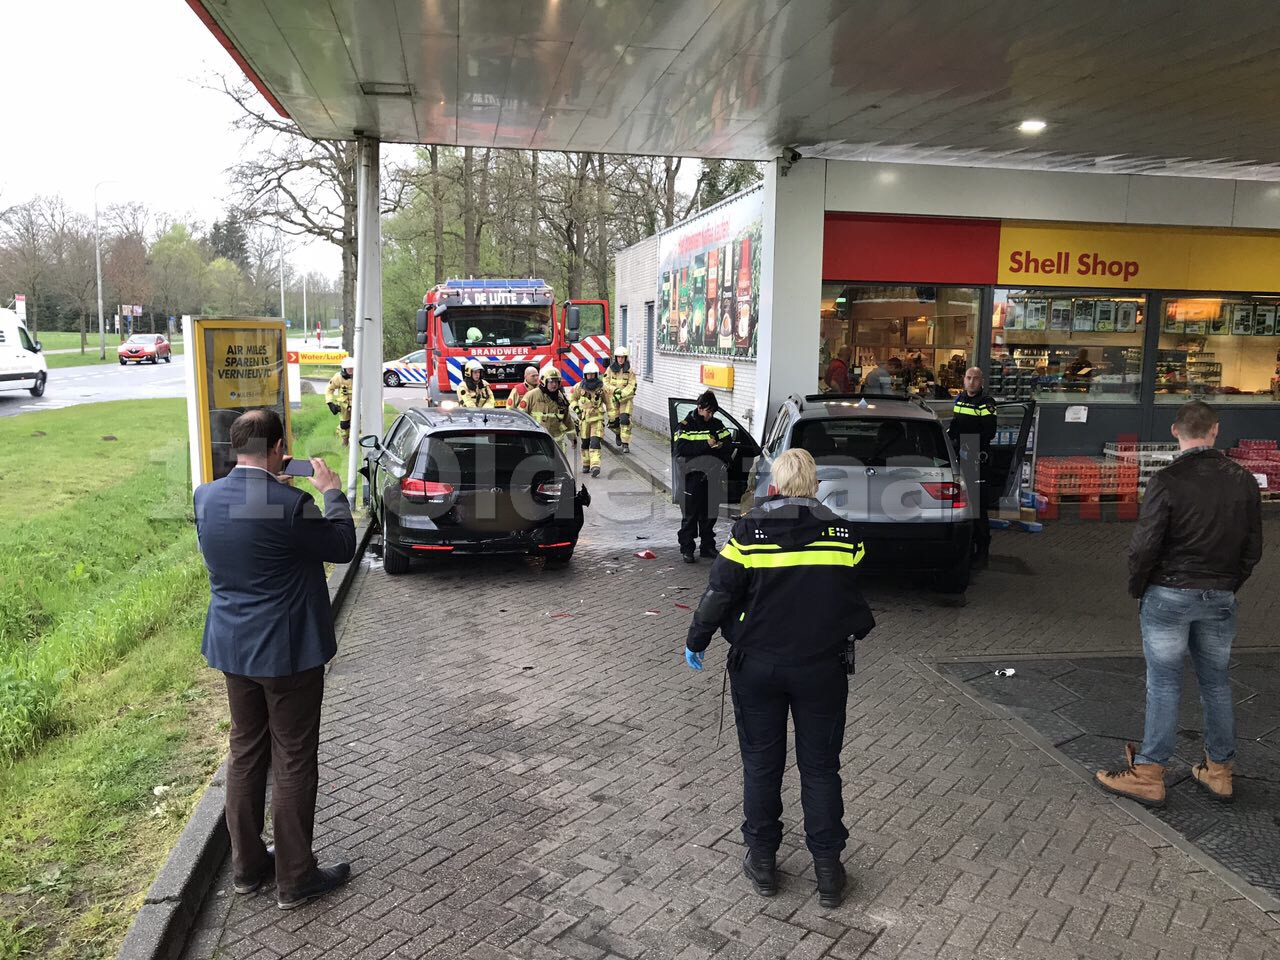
{"type": "Point", "coordinates": [1070, 255]}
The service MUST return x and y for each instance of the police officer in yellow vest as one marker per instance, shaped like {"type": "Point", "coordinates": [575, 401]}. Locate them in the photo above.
{"type": "Point", "coordinates": [474, 392]}
{"type": "Point", "coordinates": [972, 428]}
{"type": "Point", "coordinates": [784, 594]}
{"type": "Point", "coordinates": [590, 405]}
{"type": "Point", "coordinates": [620, 388]}
{"type": "Point", "coordinates": [338, 395]}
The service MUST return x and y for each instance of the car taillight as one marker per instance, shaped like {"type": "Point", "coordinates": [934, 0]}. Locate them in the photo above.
{"type": "Point", "coordinates": [952, 492]}
{"type": "Point", "coordinates": [424, 491]}
{"type": "Point", "coordinates": [550, 489]}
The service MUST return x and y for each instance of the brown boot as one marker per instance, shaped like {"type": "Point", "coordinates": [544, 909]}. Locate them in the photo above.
{"type": "Point", "coordinates": [1143, 782]}
{"type": "Point", "coordinates": [1214, 777]}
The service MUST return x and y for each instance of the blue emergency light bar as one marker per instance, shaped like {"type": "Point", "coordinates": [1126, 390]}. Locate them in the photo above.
{"type": "Point", "coordinates": [494, 284]}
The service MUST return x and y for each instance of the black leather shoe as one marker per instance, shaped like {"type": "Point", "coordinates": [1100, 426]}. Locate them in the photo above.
{"type": "Point", "coordinates": [762, 871]}
{"type": "Point", "coordinates": [253, 884]}
{"type": "Point", "coordinates": [689, 557]}
{"type": "Point", "coordinates": [324, 880]}
{"type": "Point", "coordinates": [831, 881]}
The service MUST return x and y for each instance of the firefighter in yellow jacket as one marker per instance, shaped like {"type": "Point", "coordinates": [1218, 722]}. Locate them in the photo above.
{"type": "Point", "coordinates": [620, 388]}
{"type": "Point", "coordinates": [590, 403]}
{"type": "Point", "coordinates": [474, 392]}
{"type": "Point", "coordinates": [549, 405]}
{"type": "Point", "coordinates": [338, 396]}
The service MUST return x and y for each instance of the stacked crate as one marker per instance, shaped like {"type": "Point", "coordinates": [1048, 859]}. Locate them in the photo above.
{"type": "Point", "coordinates": [1147, 458]}
{"type": "Point", "coordinates": [1086, 480]}
{"type": "Point", "coordinates": [1260, 457]}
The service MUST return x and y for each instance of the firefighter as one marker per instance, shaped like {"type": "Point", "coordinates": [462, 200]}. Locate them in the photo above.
{"type": "Point", "coordinates": [549, 405]}
{"type": "Point", "coordinates": [788, 653]}
{"type": "Point", "coordinates": [703, 448]}
{"type": "Point", "coordinates": [338, 396]}
{"type": "Point", "coordinates": [474, 392]}
{"type": "Point", "coordinates": [520, 389]}
{"type": "Point", "coordinates": [620, 388]}
{"type": "Point", "coordinates": [590, 404]}
{"type": "Point", "coordinates": [972, 428]}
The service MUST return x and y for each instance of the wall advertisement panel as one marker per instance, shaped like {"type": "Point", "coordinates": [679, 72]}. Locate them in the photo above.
{"type": "Point", "coordinates": [709, 281]}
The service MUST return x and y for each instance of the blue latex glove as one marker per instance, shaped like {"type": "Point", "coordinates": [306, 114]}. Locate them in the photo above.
{"type": "Point", "coordinates": [694, 660]}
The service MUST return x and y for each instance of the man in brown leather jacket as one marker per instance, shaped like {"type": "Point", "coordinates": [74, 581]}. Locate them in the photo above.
{"type": "Point", "coordinates": [1196, 542]}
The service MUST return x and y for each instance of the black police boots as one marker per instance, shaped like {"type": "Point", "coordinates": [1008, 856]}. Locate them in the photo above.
{"type": "Point", "coordinates": [762, 871]}
{"type": "Point", "coordinates": [831, 881]}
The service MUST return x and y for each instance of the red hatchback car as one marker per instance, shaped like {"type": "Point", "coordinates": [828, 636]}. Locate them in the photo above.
{"type": "Point", "coordinates": [151, 347]}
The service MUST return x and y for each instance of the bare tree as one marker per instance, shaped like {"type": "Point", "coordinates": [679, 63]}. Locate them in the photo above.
{"type": "Point", "coordinates": [306, 186]}
{"type": "Point", "coordinates": [24, 234]}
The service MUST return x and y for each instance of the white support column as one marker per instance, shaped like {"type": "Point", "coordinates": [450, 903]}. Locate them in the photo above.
{"type": "Point", "coordinates": [790, 286]}
{"type": "Point", "coordinates": [366, 390]}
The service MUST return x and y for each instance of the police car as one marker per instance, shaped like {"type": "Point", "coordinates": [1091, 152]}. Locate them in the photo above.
{"type": "Point", "coordinates": [408, 370]}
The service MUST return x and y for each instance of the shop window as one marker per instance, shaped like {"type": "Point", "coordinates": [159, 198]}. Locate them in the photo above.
{"type": "Point", "coordinates": [1226, 348]}
{"type": "Point", "coordinates": [930, 330]}
{"type": "Point", "coordinates": [1057, 346]}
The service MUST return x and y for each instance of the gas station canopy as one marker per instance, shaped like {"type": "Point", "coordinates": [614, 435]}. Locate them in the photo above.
{"type": "Point", "coordinates": [1158, 87]}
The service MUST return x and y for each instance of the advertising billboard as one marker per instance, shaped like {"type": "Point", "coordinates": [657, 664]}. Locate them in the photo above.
{"type": "Point", "coordinates": [709, 281]}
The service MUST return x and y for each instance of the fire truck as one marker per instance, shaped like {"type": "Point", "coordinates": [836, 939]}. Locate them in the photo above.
{"type": "Point", "coordinates": [507, 325]}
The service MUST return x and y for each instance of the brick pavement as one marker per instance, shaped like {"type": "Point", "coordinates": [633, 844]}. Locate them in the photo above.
{"type": "Point", "coordinates": [519, 765]}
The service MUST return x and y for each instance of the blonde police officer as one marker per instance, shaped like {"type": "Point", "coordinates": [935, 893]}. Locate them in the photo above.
{"type": "Point", "coordinates": [620, 388]}
{"type": "Point", "coordinates": [590, 404]}
{"type": "Point", "coordinates": [474, 392]}
{"type": "Point", "coordinates": [338, 395]}
{"type": "Point", "coordinates": [549, 405]}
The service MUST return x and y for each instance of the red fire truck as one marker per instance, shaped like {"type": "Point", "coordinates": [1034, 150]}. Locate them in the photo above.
{"type": "Point", "coordinates": [507, 325]}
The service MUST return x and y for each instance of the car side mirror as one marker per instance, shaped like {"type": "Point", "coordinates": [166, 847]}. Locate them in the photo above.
{"type": "Point", "coordinates": [371, 442]}
{"type": "Point", "coordinates": [573, 321]}
{"type": "Point", "coordinates": [420, 326]}
{"type": "Point", "coordinates": [39, 346]}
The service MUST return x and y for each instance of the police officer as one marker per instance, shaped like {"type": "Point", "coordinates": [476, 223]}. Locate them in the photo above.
{"type": "Point", "coordinates": [338, 395]}
{"type": "Point", "coordinates": [549, 405]}
{"type": "Point", "coordinates": [702, 449]}
{"type": "Point", "coordinates": [788, 653]}
{"type": "Point", "coordinates": [590, 405]}
{"type": "Point", "coordinates": [474, 392]}
{"type": "Point", "coordinates": [972, 428]}
{"type": "Point", "coordinates": [620, 385]}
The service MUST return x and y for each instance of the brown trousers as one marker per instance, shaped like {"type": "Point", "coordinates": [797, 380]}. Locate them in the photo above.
{"type": "Point", "coordinates": [275, 724]}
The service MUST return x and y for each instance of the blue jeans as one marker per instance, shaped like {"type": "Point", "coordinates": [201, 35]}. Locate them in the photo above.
{"type": "Point", "coordinates": [1203, 623]}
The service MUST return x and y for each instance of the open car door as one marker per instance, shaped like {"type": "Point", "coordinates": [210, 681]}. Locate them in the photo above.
{"type": "Point", "coordinates": [1011, 446]}
{"type": "Point", "coordinates": [744, 447]}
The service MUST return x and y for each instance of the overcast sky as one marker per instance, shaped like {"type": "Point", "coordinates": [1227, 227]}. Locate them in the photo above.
{"type": "Point", "coordinates": [115, 89]}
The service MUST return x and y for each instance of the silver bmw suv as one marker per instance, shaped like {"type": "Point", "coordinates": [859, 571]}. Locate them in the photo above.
{"type": "Point", "coordinates": [886, 465]}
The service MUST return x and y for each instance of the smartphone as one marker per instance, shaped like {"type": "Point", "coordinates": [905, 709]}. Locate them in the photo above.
{"type": "Point", "coordinates": [299, 467]}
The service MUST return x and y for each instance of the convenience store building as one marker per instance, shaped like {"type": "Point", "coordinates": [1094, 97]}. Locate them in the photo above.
{"type": "Point", "coordinates": [1109, 299]}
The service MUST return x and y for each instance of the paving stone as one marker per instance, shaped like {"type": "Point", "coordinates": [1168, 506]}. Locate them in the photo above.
{"type": "Point", "coordinates": [585, 808]}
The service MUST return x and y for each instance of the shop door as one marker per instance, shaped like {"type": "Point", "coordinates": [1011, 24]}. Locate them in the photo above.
{"type": "Point", "coordinates": [1011, 445]}
{"type": "Point", "coordinates": [744, 450]}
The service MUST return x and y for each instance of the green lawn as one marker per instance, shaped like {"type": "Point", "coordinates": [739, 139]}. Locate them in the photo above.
{"type": "Point", "coordinates": [58, 360]}
{"type": "Point", "coordinates": [103, 694]}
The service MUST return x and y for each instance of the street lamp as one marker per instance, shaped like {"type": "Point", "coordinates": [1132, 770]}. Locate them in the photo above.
{"type": "Point", "coordinates": [97, 252]}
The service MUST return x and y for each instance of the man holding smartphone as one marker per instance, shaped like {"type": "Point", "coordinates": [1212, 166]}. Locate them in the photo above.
{"type": "Point", "coordinates": [270, 630]}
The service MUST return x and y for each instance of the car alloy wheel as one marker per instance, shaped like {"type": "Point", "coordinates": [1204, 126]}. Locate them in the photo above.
{"type": "Point", "coordinates": [37, 389]}
{"type": "Point", "coordinates": [391, 378]}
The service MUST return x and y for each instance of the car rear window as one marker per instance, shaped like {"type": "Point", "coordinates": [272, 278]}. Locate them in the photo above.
{"type": "Point", "coordinates": [872, 441]}
{"type": "Point", "coordinates": [489, 459]}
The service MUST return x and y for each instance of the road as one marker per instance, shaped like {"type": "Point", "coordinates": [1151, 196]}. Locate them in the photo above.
{"type": "Point", "coordinates": [70, 386]}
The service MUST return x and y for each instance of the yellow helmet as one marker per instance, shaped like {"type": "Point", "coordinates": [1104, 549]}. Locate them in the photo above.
{"type": "Point", "coordinates": [548, 372]}
{"type": "Point", "coordinates": [474, 364]}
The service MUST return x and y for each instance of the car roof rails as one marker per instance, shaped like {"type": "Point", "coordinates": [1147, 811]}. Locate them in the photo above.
{"type": "Point", "coordinates": [839, 397]}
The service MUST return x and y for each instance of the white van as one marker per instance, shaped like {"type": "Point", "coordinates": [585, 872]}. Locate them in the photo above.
{"type": "Point", "coordinates": [22, 365]}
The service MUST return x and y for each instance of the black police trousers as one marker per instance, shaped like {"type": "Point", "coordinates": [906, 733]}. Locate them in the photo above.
{"type": "Point", "coordinates": [699, 509]}
{"type": "Point", "coordinates": [815, 694]}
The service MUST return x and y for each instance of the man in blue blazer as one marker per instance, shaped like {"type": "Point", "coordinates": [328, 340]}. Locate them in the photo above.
{"type": "Point", "coordinates": [270, 631]}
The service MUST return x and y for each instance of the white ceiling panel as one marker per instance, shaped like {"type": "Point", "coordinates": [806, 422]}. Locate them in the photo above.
{"type": "Point", "coordinates": [1165, 86]}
